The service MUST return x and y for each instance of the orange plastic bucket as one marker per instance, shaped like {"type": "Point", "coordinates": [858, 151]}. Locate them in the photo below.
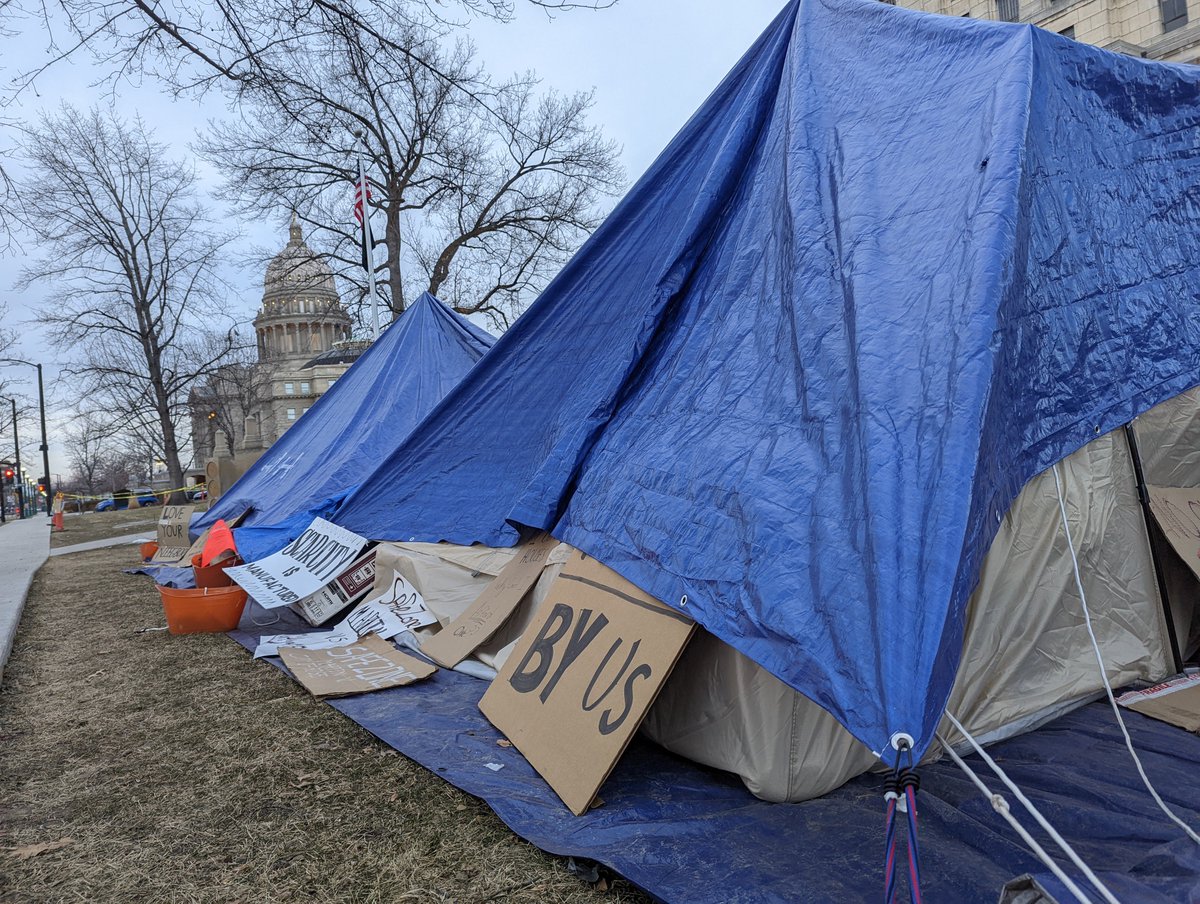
{"type": "Point", "coordinates": [202, 610]}
{"type": "Point", "coordinates": [148, 550]}
{"type": "Point", "coordinates": [213, 575]}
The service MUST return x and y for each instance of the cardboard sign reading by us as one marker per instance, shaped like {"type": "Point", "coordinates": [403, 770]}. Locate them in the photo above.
{"type": "Point", "coordinates": [581, 678]}
{"type": "Point", "coordinates": [173, 541]}
{"type": "Point", "coordinates": [1177, 511]}
{"type": "Point", "coordinates": [302, 567]}
{"type": "Point", "coordinates": [371, 664]}
{"type": "Point", "coordinates": [491, 609]}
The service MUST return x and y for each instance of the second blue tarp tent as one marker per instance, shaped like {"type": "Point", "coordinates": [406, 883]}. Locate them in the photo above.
{"type": "Point", "coordinates": [354, 426]}
{"type": "Point", "coordinates": [894, 267]}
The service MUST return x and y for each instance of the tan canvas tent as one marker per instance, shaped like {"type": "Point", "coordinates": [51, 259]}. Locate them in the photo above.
{"type": "Point", "coordinates": [1027, 657]}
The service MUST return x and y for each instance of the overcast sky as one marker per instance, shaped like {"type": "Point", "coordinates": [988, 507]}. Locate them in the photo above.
{"type": "Point", "coordinates": [651, 63]}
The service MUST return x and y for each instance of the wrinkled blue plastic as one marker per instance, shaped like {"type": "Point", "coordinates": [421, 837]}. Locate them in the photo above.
{"type": "Point", "coordinates": [353, 427]}
{"type": "Point", "coordinates": [693, 835]}
{"type": "Point", "coordinates": [894, 267]}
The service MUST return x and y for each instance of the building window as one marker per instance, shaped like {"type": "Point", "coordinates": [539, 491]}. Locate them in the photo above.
{"type": "Point", "coordinates": [1068, 32]}
{"type": "Point", "coordinates": [305, 388]}
{"type": "Point", "coordinates": [332, 380]}
{"type": "Point", "coordinates": [289, 388]}
{"type": "Point", "coordinates": [291, 414]}
{"type": "Point", "coordinates": [1008, 10]}
{"type": "Point", "coordinates": [1174, 14]}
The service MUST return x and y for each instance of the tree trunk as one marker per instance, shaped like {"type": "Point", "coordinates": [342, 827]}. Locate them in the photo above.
{"type": "Point", "coordinates": [394, 246]}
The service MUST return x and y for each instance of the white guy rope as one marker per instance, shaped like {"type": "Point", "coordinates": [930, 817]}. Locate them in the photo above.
{"type": "Point", "coordinates": [1000, 805]}
{"type": "Point", "coordinates": [1035, 813]}
{"type": "Point", "coordinates": [1087, 616]}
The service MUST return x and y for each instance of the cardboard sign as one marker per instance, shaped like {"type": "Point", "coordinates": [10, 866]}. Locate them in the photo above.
{"type": "Point", "coordinates": [370, 664]}
{"type": "Point", "coordinates": [302, 567]}
{"type": "Point", "coordinates": [346, 589]}
{"type": "Point", "coordinates": [173, 541]}
{"type": "Point", "coordinates": [1177, 511]}
{"type": "Point", "coordinates": [491, 609]}
{"type": "Point", "coordinates": [582, 677]}
{"type": "Point", "coordinates": [1176, 701]}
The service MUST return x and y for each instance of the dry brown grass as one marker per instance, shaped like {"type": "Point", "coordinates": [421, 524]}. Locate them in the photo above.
{"type": "Point", "coordinates": [181, 770]}
{"type": "Point", "coordinates": [99, 525]}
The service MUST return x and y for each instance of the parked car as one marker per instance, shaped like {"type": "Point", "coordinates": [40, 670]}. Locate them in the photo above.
{"type": "Point", "coordinates": [196, 494]}
{"type": "Point", "coordinates": [119, 500]}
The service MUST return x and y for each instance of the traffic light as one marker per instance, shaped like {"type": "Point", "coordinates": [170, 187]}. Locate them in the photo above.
{"type": "Point", "coordinates": [8, 473]}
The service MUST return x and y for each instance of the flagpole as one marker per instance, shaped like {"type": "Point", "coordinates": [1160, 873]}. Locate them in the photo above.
{"type": "Point", "coordinates": [368, 243]}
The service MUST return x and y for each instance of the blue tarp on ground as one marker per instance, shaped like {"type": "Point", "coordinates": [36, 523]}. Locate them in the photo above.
{"type": "Point", "coordinates": [353, 427]}
{"type": "Point", "coordinates": [894, 267]}
{"type": "Point", "coordinates": [693, 835]}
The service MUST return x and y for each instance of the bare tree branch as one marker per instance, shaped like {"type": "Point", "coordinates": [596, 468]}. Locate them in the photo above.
{"type": "Point", "coordinates": [479, 202]}
{"type": "Point", "coordinates": [132, 260]}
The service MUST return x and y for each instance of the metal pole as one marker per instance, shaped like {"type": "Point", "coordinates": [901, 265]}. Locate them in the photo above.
{"type": "Point", "coordinates": [368, 243]}
{"type": "Point", "coordinates": [1139, 476]}
{"type": "Point", "coordinates": [45, 447]}
{"type": "Point", "coordinates": [3, 519]}
{"type": "Point", "coordinates": [17, 469]}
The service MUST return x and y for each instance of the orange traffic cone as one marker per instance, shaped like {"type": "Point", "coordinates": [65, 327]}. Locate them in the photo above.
{"type": "Point", "coordinates": [219, 544]}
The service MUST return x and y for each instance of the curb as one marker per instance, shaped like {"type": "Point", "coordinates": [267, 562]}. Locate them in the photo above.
{"type": "Point", "coordinates": [24, 548]}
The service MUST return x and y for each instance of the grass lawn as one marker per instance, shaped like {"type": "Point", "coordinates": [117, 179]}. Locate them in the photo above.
{"type": "Point", "coordinates": [98, 525]}
{"type": "Point", "coordinates": [166, 768]}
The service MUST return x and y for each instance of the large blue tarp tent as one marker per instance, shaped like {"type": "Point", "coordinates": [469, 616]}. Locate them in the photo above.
{"type": "Point", "coordinates": [354, 426]}
{"type": "Point", "coordinates": [895, 266]}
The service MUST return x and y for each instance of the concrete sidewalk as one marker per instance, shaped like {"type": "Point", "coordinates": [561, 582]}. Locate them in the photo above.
{"type": "Point", "coordinates": [103, 543]}
{"type": "Point", "coordinates": [24, 546]}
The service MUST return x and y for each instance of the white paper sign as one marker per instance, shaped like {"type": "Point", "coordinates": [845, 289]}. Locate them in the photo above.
{"type": "Point", "coordinates": [341, 636]}
{"type": "Point", "coordinates": [302, 567]}
{"type": "Point", "coordinates": [401, 602]}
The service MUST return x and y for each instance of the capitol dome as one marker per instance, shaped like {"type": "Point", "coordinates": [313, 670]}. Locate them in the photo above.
{"type": "Point", "coordinates": [298, 268]}
{"type": "Point", "coordinates": [301, 314]}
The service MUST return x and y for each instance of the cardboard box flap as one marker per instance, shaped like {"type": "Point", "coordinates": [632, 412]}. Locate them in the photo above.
{"type": "Point", "coordinates": [494, 605]}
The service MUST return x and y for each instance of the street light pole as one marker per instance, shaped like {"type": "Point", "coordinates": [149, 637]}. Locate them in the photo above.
{"type": "Point", "coordinates": [45, 447]}
{"type": "Point", "coordinates": [42, 408]}
{"type": "Point", "coordinates": [17, 471]}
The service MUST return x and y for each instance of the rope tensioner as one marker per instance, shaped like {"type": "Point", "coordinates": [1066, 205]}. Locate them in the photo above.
{"type": "Point", "coordinates": [900, 794]}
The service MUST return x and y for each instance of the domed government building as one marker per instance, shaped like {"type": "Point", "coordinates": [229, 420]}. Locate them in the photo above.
{"type": "Point", "coordinates": [304, 345]}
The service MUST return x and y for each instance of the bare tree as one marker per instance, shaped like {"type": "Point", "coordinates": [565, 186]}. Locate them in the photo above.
{"type": "Point", "coordinates": [481, 189]}
{"type": "Point", "coordinates": [131, 256]}
{"type": "Point", "coordinates": [88, 444]}
{"type": "Point", "coordinates": [196, 45]}
{"type": "Point", "coordinates": [222, 402]}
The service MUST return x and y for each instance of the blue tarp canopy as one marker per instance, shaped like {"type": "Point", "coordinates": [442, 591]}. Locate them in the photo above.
{"type": "Point", "coordinates": [894, 267]}
{"type": "Point", "coordinates": [353, 427]}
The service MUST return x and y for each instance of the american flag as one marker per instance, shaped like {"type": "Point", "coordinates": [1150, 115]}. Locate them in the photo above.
{"type": "Point", "coordinates": [361, 188]}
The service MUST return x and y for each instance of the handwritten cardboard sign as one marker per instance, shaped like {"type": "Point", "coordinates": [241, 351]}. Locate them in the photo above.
{"type": "Point", "coordinates": [370, 664]}
{"type": "Point", "coordinates": [173, 540]}
{"type": "Point", "coordinates": [347, 588]}
{"type": "Point", "coordinates": [583, 675]}
{"type": "Point", "coordinates": [1177, 511]}
{"type": "Point", "coordinates": [492, 608]}
{"type": "Point", "coordinates": [302, 567]}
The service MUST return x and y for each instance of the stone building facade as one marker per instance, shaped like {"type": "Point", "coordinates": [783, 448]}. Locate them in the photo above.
{"type": "Point", "coordinates": [303, 345]}
{"type": "Point", "coordinates": [1153, 29]}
